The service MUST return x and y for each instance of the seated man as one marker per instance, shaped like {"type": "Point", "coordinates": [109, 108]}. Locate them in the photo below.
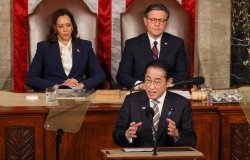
{"type": "Point", "coordinates": [64, 59]}
{"type": "Point", "coordinates": [172, 117]}
{"type": "Point", "coordinates": [153, 44]}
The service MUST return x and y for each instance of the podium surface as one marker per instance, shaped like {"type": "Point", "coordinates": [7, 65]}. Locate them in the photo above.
{"type": "Point", "coordinates": [173, 153]}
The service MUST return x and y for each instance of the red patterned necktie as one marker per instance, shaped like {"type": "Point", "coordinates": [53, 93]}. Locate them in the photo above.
{"type": "Point", "coordinates": [155, 50]}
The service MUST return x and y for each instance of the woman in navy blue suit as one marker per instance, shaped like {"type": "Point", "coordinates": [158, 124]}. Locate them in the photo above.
{"type": "Point", "coordinates": [64, 59]}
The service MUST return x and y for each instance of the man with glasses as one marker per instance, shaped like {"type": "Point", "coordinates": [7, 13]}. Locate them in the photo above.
{"type": "Point", "coordinates": [172, 116]}
{"type": "Point", "coordinates": [153, 44]}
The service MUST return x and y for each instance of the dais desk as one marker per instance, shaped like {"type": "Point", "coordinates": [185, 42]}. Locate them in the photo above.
{"type": "Point", "coordinates": [22, 130]}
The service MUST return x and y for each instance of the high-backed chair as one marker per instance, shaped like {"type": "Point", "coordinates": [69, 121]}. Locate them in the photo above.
{"type": "Point", "coordinates": [40, 20]}
{"type": "Point", "coordinates": [132, 20]}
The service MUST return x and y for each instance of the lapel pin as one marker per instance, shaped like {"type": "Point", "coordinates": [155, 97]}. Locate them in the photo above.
{"type": "Point", "coordinates": [77, 50]}
{"type": "Point", "coordinates": [143, 108]}
{"type": "Point", "coordinates": [166, 43]}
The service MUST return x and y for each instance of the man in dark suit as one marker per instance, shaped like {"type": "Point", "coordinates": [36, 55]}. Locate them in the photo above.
{"type": "Point", "coordinates": [172, 115]}
{"type": "Point", "coordinates": [140, 50]}
{"type": "Point", "coordinates": [64, 59]}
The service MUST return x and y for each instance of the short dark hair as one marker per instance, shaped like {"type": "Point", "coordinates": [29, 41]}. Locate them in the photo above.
{"type": "Point", "coordinates": [159, 63]}
{"type": "Point", "coordinates": [52, 35]}
{"type": "Point", "coordinates": [156, 6]}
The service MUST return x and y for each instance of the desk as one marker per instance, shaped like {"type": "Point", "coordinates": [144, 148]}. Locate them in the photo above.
{"type": "Point", "coordinates": [169, 153]}
{"type": "Point", "coordinates": [21, 131]}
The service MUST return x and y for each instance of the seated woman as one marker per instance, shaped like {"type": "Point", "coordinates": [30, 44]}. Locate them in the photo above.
{"type": "Point", "coordinates": [64, 59]}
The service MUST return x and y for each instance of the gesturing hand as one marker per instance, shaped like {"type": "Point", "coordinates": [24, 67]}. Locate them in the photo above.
{"type": "Point", "coordinates": [131, 131]}
{"type": "Point", "coordinates": [172, 130]}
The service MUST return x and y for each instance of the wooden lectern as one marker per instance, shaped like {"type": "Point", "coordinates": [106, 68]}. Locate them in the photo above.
{"type": "Point", "coordinates": [173, 153]}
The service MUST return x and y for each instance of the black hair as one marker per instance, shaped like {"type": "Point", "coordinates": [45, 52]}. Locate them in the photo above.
{"type": "Point", "coordinates": [156, 6]}
{"type": "Point", "coordinates": [159, 63]}
{"type": "Point", "coordinates": [52, 35]}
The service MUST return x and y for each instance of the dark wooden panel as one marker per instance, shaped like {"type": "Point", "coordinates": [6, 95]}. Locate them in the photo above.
{"type": "Point", "coordinates": [240, 141]}
{"type": "Point", "coordinates": [206, 124]}
{"type": "Point", "coordinates": [21, 136]}
{"type": "Point", "coordinates": [207, 131]}
{"type": "Point", "coordinates": [235, 133]}
{"type": "Point", "coordinates": [19, 143]}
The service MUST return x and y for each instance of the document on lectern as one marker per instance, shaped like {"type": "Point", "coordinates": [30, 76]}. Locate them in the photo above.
{"type": "Point", "coordinates": [160, 149]}
{"type": "Point", "coordinates": [143, 149]}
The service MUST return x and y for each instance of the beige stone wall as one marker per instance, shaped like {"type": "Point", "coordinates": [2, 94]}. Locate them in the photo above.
{"type": "Point", "coordinates": [5, 45]}
{"type": "Point", "coordinates": [212, 43]}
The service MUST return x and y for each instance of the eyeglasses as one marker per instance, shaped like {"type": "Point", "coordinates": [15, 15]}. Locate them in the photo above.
{"type": "Point", "coordinates": [156, 83]}
{"type": "Point", "coordinates": [154, 20]}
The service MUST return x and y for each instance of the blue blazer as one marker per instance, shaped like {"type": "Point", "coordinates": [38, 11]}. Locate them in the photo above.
{"type": "Point", "coordinates": [132, 111]}
{"type": "Point", "coordinates": [137, 53]}
{"type": "Point", "coordinates": [46, 69]}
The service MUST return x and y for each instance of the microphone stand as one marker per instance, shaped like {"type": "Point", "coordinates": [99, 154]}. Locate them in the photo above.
{"type": "Point", "coordinates": [149, 113]}
{"type": "Point", "coordinates": [154, 140]}
{"type": "Point", "coordinates": [58, 142]}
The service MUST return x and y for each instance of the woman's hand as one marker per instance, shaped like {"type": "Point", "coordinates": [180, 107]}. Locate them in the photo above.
{"type": "Point", "coordinates": [71, 82]}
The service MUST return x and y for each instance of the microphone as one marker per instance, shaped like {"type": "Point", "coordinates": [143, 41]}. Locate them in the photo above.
{"type": "Point", "coordinates": [196, 81]}
{"type": "Point", "coordinates": [150, 114]}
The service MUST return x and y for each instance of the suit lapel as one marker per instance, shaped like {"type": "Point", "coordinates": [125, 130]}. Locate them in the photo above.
{"type": "Point", "coordinates": [76, 56]}
{"type": "Point", "coordinates": [145, 44]}
{"type": "Point", "coordinates": [167, 105]}
{"type": "Point", "coordinates": [164, 45]}
{"type": "Point", "coordinates": [146, 122]}
{"type": "Point", "coordinates": [56, 56]}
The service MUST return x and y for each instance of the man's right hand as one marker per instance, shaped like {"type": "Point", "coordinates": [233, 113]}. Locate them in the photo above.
{"type": "Point", "coordinates": [131, 131]}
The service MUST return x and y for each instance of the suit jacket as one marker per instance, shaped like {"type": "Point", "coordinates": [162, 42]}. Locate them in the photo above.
{"type": "Point", "coordinates": [46, 69]}
{"type": "Point", "coordinates": [132, 111]}
{"type": "Point", "coordinates": [137, 53]}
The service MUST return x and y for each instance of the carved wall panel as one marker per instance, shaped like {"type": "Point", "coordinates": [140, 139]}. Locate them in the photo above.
{"type": "Point", "coordinates": [19, 143]}
{"type": "Point", "coordinates": [240, 141]}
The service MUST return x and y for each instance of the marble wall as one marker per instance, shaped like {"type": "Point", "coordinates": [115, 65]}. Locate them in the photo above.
{"type": "Point", "coordinates": [240, 55]}
{"type": "Point", "coordinates": [213, 42]}
{"type": "Point", "coordinates": [5, 45]}
{"type": "Point", "coordinates": [212, 48]}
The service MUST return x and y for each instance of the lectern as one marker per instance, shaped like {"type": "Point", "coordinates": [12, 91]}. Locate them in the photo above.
{"type": "Point", "coordinates": [173, 153]}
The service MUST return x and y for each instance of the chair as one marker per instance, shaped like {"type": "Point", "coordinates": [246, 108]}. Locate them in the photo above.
{"type": "Point", "coordinates": [132, 20]}
{"type": "Point", "coordinates": [40, 20]}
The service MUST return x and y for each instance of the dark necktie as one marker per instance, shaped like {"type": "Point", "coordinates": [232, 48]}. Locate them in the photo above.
{"type": "Point", "coordinates": [155, 50]}
{"type": "Point", "coordinates": [157, 114]}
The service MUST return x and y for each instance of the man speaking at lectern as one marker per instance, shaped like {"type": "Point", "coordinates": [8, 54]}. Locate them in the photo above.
{"type": "Point", "coordinates": [171, 119]}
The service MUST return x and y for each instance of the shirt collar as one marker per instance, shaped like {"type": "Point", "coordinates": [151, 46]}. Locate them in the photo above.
{"type": "Point", "coordinates": [151, 40]}
{"type": "Point", "coordinates": [67, 46]}
{"type": "Point", "coordinates": [160, 99]}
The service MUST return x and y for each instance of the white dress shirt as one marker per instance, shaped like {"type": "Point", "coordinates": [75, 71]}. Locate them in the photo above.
{"type": "Point", "coordinates": [66, 55]}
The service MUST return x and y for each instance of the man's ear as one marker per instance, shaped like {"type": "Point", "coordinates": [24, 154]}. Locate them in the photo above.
{"type": "Point", "coordinates": [145, 21]}
{"type": "Point", "coordinates": [169, 81]}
